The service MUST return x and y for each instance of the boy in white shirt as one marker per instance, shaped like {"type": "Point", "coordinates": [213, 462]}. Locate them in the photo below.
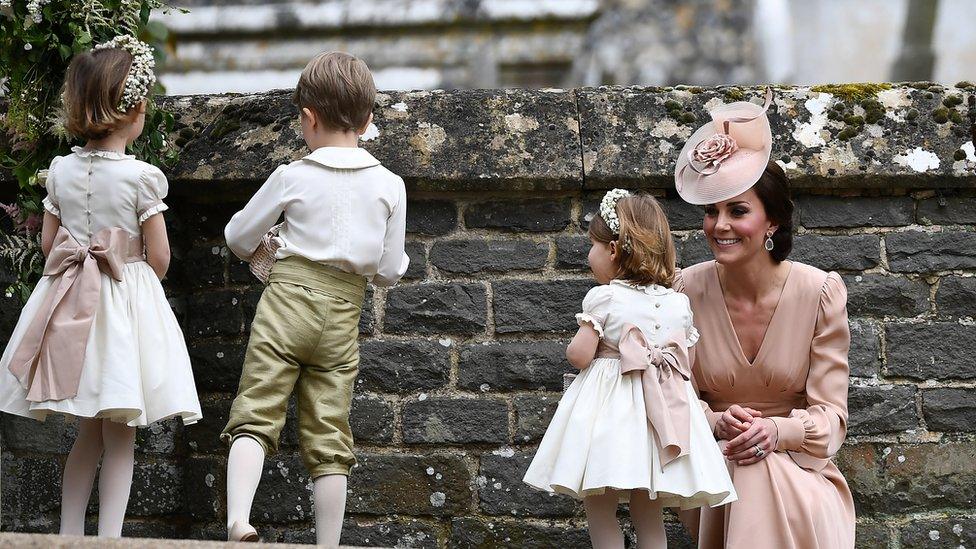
{"type": "Point", "coordinates": [345, 218]}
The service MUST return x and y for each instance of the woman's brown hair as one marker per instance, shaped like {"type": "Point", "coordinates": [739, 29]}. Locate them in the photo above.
{"type": "Point", "coordinates": [93, 88]}
{"type": "Point", "coordinates": [773, 190]}
{"type": "Point", "coordinates": [645, 249]}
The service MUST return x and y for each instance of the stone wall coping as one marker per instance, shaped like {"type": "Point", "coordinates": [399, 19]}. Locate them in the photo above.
{"type": "Point", "coordinates": [883, 137]}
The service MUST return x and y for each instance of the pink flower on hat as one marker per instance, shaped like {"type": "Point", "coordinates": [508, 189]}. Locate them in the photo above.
{"type": "Point", "coordinates": [714, 150]}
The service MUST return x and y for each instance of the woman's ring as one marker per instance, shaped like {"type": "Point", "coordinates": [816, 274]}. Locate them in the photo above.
{"type": "Point", "coordinates": [759, 451]}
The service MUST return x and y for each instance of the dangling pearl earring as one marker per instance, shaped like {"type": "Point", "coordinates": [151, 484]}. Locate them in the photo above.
{"type": "Point", "coordinates": [769, 242]}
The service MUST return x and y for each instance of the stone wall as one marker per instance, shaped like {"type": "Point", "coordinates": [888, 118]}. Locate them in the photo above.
{"type": "Point", "coordinates": [462, 361]}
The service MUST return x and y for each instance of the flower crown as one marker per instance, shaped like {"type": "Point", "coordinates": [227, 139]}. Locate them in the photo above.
{"type": "Point", "coordinates": [141, 77]}
{"type": "Point", "coordinates": [608, 208]}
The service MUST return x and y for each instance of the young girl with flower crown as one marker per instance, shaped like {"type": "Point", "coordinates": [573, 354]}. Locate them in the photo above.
{"type": "Point", "coordinates": [97, 339]}
{"type": "Point", "coordinates": [629, 428]}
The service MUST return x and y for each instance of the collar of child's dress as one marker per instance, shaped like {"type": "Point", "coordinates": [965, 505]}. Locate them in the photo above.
{"type": "Point", "coordinates": [111, 155]}
{"type": "Point", "coordinates": [650, 289]}
{"type": "Point", "coordinates": [343, 158]}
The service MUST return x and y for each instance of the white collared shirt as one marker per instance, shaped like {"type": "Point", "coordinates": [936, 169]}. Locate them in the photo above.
{"type": "Point", "coordinates": [342, 208]}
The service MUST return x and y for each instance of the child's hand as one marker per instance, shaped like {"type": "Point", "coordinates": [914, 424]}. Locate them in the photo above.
{"type": "Point", "coordinates": [734, 421]}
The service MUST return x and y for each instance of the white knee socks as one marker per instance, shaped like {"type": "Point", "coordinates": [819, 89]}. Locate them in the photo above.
{"type": "Point", "coordinates": [244, 466]}
{"type": "Point", "coordinates": [79, 476]}
{"type": "Point", "coordinates": [647, 516]}
{"type": "Point", "coordinates": [117, 442]}
{"type": "Point", "coordinates": [601, 518]}
{"type": "Point", "coordinates": [115, 478]}
{"type": "Point", "coordinates": [329, 492]}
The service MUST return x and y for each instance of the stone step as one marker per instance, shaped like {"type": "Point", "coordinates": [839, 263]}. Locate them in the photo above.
{"type": "Point", "coordinates": [51, 541]}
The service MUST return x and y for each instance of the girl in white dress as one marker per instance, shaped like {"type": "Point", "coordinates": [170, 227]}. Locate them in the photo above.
{"type": "Point", "coordinates": [97, 339]}
{"type": "Point", "coordinates": [629, 428]}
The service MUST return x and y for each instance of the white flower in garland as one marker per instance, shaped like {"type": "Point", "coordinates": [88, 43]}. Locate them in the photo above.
{"type": "Point", "coordinates": [141, 77]}
{"type": "Point", "coordinates": [34, 8]}
{"type": "Point", "coordinates": [608, 208]}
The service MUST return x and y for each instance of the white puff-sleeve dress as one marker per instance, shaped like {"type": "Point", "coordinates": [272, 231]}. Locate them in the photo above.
{"type": "Point", "coordinates": [136, 368]}
{"type": "Point", "coordinates": [600, 436]}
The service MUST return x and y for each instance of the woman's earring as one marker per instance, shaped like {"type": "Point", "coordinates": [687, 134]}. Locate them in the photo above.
{"type": "Point", "coordinates": [769, 243]}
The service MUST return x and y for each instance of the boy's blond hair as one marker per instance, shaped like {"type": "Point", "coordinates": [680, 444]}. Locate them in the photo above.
{"type": "Point", "coordinates": [339, 89]}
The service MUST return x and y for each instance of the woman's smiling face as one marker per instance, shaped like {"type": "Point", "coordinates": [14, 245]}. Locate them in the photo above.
{"type": "Point", "coordinates": [737, 228]}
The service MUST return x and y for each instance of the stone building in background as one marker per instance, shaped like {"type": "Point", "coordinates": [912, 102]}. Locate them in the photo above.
{"type": "Point", "coordinates": [256, 45]}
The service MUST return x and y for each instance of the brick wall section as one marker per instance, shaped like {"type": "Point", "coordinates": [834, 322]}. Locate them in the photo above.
{"type": "Point", "coordinates": [462, 365]}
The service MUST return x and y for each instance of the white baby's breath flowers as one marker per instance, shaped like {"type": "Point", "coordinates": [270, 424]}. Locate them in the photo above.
{"type": "Point", "coordinates": [34, 8]}
{"type": "Point", "coordinates": [608, 208]}
{"type": "Point", "coordinates": [141, 77]}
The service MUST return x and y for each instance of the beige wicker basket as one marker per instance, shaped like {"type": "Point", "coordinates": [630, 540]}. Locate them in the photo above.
{"type": "Point", "coordinates": [263, 258]}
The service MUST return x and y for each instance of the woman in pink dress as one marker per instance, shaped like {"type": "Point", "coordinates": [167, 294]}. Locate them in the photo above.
{"type": "Point", "coordinates": [771, 366]}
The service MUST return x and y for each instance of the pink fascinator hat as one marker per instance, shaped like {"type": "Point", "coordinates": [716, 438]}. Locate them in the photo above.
{"type": "Point", "coordinates": [725, 157]}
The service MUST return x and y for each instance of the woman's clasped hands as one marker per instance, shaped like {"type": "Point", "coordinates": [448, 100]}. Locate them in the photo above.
{"type": "Point", "coordinates": [749, 437]}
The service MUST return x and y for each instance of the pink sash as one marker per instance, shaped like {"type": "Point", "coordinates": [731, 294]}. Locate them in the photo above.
{"type": "Point", "coordinates": [50, 357]}
{"type": "Point", "coordinates": [664, 371]}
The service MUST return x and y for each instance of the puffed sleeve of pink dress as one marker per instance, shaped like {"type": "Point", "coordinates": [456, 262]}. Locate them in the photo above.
{"type": "Point", "coordinates": [796, 497]}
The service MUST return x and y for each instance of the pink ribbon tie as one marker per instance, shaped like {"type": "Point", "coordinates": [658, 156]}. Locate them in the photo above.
{"type": "Point", "coordinates": [664, 371]}
{"type": "Point", "coordinates": [49, 359]}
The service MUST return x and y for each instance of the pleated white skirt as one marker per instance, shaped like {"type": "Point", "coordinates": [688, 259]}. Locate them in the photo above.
{"type": "Point", "coordinates": [600, 438]}
{"type": "Point", "coordinates": [137, 369]}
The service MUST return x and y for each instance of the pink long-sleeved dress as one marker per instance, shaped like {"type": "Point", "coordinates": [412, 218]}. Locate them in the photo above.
{"type": "Point", "coordinates": [796, 497]}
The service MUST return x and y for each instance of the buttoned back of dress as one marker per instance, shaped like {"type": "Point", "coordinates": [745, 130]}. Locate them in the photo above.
{"type": "Point", "coordinates": [654, 309]}
{"type": "Point", "coordinates": [95, 190]}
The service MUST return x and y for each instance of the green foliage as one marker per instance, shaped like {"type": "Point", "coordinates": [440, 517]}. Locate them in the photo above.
{"type": "Point", "coordinates": [38, 38]}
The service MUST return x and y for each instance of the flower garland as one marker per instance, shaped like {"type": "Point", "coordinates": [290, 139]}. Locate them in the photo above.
{"type": "Point", "coordinates": [141, 76]}
{"type": "Point", "coordinates": [608, 208]}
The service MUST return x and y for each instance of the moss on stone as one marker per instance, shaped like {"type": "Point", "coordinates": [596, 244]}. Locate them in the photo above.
{"type": "Point", "coordinates": [852, 92]}
{"type": "Point", "coordinates": [952, 100]}
{"type": "Point", "coordinates": [847, 133]}
{"type": "Point", "coordinates": [224, 127]}
{"type": "Point", "coordinates": [688, 118]}
{"type": "Point", "coordinates": [912, 114]}
{"type": "Point", "coordinates": [959, 155]}
{"type": "Point", "coordinates": [965, 85]}
{"type": "Point", "coordinates": [941, 115]}
{"type": "Point", "coordinates": [734, 94]}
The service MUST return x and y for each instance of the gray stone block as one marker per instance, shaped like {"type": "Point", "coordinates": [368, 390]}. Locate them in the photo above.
{"type": "Point", "coordinates": [544, 306]}
{"type": "Point", "coordinates": [403, 366]}
{"type": "Point", "coordinates": [527, 215]}
{"type": "Point", "coordinates": [881, 295]}
{"type": "Point", "coordinates": [410, 484]}
{"type": "Point", "coordinates": [938, 350]}
{"type": "Point", "coordinates": [885, 409]}
{"type": "Point", "coordinates": [837, 252]}
{"type": "Point", "coordinates": [436, 309]}
{"type": "Point", "coordinates": [921, 252]}
{"type": "Point", "coordinates": [371, 420]}
{"type": "Point", "coordinates": [949, 409]}
{"type": "Point", "coordinates": [450, 420]}
{"type": "Point", "coordinates": [488, 256]}
{"type": "Point", "coordinates": [507, 366]}
{"type": "Point", "coordinates": [504, 493]}
{"type": "Point", "coordinates": [847, 212]}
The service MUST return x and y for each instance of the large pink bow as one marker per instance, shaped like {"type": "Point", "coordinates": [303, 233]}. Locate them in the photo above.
{"type": "Point", "coordinates": [664, 371]}
{"type": "Point", "coordinates": [49, 359]}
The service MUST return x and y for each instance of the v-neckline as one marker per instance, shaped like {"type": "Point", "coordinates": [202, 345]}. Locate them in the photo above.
{"type": "Point", "coordinates": [769, 324]}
